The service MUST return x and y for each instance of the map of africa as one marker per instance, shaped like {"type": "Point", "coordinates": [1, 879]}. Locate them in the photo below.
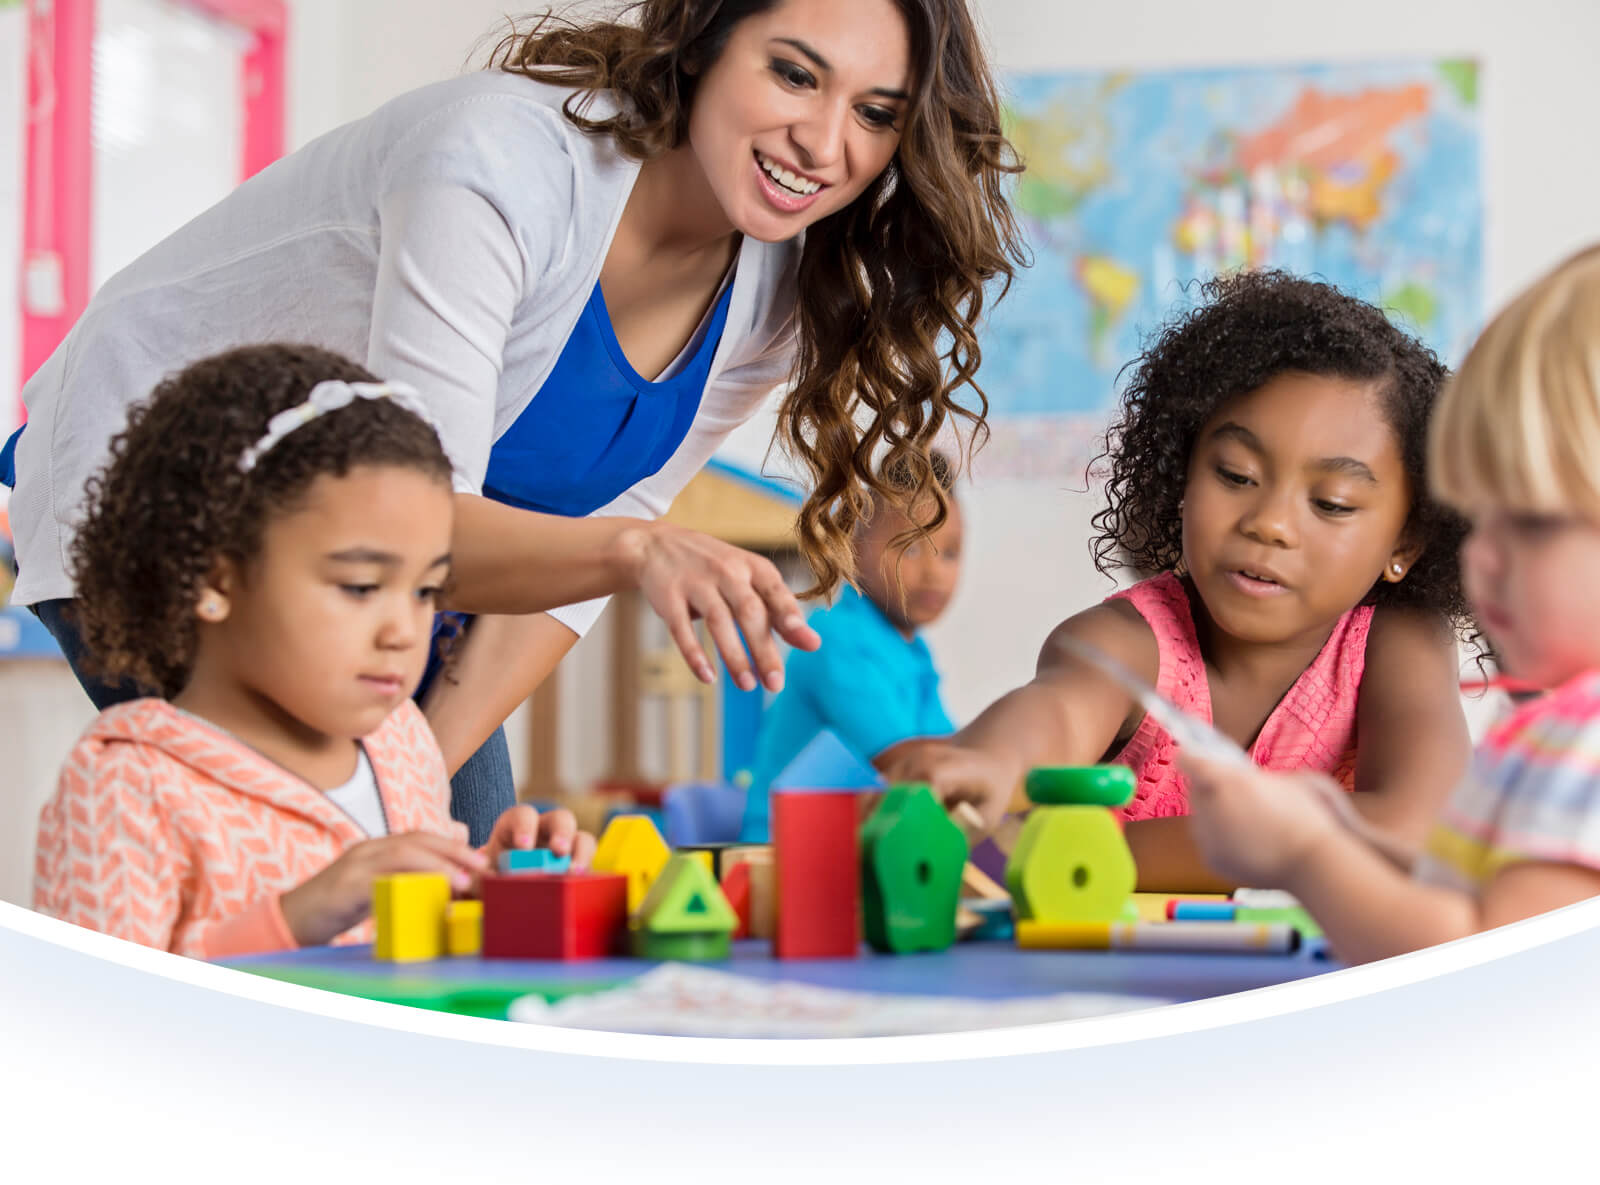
{"type": "Point", "coordinates": [1139, 184]}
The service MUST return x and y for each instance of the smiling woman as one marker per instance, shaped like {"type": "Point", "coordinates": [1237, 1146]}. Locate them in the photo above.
{"type": "Point", "coordinates": [593, 261]}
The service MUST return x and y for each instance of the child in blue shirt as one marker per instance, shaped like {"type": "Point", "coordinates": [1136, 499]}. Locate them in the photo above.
{"type": "Point", "coordinates": [872, 681]}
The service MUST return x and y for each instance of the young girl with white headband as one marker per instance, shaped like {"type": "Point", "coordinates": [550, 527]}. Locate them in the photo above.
{"type": "Point", "coordinates": [265, 548]}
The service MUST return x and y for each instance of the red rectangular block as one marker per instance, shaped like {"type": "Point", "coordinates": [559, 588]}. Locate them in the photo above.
{"type": "Point", "coordinates": [819, 875]}
{"type": "Point", "coordinates": [577, 915]}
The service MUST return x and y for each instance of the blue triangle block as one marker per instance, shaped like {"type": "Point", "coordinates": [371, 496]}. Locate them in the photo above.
{"type": "Point", "coordinates": [827, 763]}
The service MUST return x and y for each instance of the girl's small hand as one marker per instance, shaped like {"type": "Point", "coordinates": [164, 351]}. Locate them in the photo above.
{"type": "Point", "coordinates": [320, 909]}
{"type": "Point", "coordinates": [685, 575]}
{"type": "Point", "coordinates": [955, 774]}
{"type": "Point", "coordinates": [522, 828]}
{"type": "Point", "coordinates": [1256, 827]}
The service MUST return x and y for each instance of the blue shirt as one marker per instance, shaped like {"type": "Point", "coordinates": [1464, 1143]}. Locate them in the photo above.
{"type": "Point", "coordinates": [866, 682]}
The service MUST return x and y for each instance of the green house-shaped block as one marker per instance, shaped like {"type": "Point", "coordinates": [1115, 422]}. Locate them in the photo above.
{"type": "Point", "coordinates": [912, 854]}
{"type": "Point", "coordinates": [1071, 864]}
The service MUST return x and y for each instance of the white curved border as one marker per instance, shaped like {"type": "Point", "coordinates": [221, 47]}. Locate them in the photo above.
{"type": "Point", "coordinates": [1296, 996]}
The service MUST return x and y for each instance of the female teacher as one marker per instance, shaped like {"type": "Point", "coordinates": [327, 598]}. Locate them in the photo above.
{"type": "Point", "coordinates": [594, 260]}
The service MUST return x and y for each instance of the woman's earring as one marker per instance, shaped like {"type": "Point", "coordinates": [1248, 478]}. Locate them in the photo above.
{"type": "Point", "coordinates": [1397, 569]}
{"type": "Point", "coordinates": [211, 608]}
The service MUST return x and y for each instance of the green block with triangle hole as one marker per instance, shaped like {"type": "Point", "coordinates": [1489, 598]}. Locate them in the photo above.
{"type": "Point", "coordinates": [912, 854]}
{"type": "Point", "coordinates": [685, 899]}
{"type": "Point", "coordinates": [1071, 864]}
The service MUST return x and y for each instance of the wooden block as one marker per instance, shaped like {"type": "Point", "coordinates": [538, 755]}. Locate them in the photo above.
{"type": "Point", "coordinates": [631, 845]}
{"type": "Point", "coordinates": [912, 853]}
{"type": "Point", "coordinates": [409, 909]}
{"type": "Point", "coordinates": [760, 913]}
{"type": "Point", "coordinates": [463, 927]}
{"type": "Point", "coordinates": [1071, 864]}
{"type": "Point", "coordinates": [575, 915]}
{"type": "Point", "coordinates": [975, 882]}
{"type": "Point", "coordinates": [967, 818]}
{"type": "Point", "coordinates": [685, 900]}
{"type": "Point", "coordinates": [703, 858]}
{"type": "Point", "coordinates": [533, 860]}
{"type": "Point", "coordinates": [818, 874]}
{"type": "Point", "coordinates": [736, 888]}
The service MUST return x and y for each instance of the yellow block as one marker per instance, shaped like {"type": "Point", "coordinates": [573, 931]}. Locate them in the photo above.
{"type": "Point", "coordinates": [409, 908]}
{"type": "Point", "coordinates": [632, 846]}
{"type": "Point", "coordinates": [463, 927]}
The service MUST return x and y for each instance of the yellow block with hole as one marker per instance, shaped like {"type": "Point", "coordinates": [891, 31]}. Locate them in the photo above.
{"type": "Point", "coordinates": [1071, 864]}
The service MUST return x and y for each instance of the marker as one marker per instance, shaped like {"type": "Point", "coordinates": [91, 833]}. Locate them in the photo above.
{"type": "Point", "coordinates": [1265, 899]}
{"type": "Point", "coordinates": [1201, 911]}
{"type": "Point", "coordinates": [1270, 938]}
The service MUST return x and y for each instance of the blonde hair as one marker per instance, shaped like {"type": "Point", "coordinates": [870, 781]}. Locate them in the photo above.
{"type": "Point", "coordinates": [1519, 425]}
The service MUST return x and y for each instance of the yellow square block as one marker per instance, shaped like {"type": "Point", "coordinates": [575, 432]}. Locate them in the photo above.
{"type": "Point", "coordinates": [463, 927]}
{"type": "Point", "coordinates": [409, 908]}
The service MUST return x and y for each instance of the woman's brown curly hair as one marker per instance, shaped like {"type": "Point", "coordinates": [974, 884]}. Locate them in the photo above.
{"type": "Point", "coordinates": [891, 287]}
{"type": "Point", "coordinates": [172, 500]}
{"type": "Point", "coordinates": [1248, 328]}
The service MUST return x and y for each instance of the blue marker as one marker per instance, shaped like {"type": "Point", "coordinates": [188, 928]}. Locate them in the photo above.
{"type": "Point", "coordinates": [1201, 911]}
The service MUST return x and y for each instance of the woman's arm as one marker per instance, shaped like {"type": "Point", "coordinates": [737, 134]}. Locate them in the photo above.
{"type": "Point", "coordinates": [496, 666]}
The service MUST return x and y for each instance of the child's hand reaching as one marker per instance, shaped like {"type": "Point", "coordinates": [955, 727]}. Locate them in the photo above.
{"type": "Point", "coordinates": [320, 909]}
{"type": "Point", "coordinates": [954, 773]}
{"type": "Point", "coordinates": [1254, 827]}
{"type": "Point", "coordinates": [522, 827]}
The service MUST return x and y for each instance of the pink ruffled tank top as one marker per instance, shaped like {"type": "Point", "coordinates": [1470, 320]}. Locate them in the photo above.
{"type": "Point", "coordinates": [1313, 726]}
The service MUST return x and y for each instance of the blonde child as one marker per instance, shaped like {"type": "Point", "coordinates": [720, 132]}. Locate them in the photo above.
{"type": "Point", "coordinates": [1266, 477]}
{"type": "Point", "coordinates": [263, 551]}
{"type": "Point", "coordinates": [1516, 445]}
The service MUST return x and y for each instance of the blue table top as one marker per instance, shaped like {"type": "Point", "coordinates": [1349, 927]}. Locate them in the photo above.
{"type": "Point", "coordinates": [974, 970]}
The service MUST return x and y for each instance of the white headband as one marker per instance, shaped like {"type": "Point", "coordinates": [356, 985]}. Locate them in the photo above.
{"type": "Point", "coordinates": [325, 397]}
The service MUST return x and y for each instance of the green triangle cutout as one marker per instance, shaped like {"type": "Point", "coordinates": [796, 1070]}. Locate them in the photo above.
{"type": "Point", "coordinates": [695, 904]}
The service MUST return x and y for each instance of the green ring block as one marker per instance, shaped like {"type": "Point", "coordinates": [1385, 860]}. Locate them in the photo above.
{"type": "Point", "coordinates": [681, 948]}
{"type": "Point", "coordinates": [912, 854]}
{"type": "Point", "coordinates": [1081, 785]}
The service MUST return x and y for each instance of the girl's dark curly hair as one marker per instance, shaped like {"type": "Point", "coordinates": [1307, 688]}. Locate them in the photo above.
{"type": "Point", "coordinates": [891, 287]}
{"type": "Point", "coordinates": [172, 500]}
{"type": "Point", "coordinates": [1250, 327]}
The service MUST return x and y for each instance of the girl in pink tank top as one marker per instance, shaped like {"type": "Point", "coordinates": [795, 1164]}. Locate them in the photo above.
{"type": "Point", "coordinates": [1302, 592]}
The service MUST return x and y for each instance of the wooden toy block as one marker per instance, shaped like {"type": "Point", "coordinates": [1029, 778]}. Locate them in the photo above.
{"type": "Point", "coordinates": [827, 763]}
{"type": "Point", "coordinates": [463, 927]}
{"type": "Point", "coordinates": [573, 915]}
{"type": "Point", "coordinates": [713, 853]}
{"type": "Point", "coordinates": [736, 888]}
{"type": "Point", "coordinates": [1071, 864]}
{"type": "Point", "coordinates": [631, 845]}
{"type": "Point", "coordinates": [705, 860]}
{"type": "Point", "coordinates": [1081, 785]}
{"type": "Point", "coordinates": [409, 910]}
{"type": "Point", "coordinates": [760, 913]}
{"type": "Point", "coordinates": [533, 860]}
{"type": "Point", "coordinates": [967, 818]}
{"type": "Point", "coordinates": [911, 859]}
{"type": "Point", "coordinates": [685, 900]}
{"type": "Point", "coordinates": [818, 874]}
{"type": "Point", "coordinates": [680, 948]}
{"type": "Point", "coordinates": [975, 882]}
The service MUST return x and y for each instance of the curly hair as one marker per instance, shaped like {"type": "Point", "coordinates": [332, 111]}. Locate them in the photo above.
{"type": "Point", "coordinates": [891, 287]}
{"type": "Point", "coordinates": [172, 500]}
{"type": "Point", "coordinates": [1248, 328]}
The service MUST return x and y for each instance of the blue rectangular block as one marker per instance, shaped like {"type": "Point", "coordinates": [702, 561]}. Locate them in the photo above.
{"type": "Point", "coordinates": [533, 860]}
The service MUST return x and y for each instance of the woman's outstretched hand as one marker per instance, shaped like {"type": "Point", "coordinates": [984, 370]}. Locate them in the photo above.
{"type": "Point", "coordinates": [686, 575]}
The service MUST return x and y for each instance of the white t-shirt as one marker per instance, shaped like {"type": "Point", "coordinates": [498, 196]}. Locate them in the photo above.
{"type": "Point", "coordinates": [359, 799]}
{"type": "Point", "coordinates": [450, 240]}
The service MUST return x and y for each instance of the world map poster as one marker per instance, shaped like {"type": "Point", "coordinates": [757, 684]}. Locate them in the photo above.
{"type": "Point", "coordinates": [1140, 185]}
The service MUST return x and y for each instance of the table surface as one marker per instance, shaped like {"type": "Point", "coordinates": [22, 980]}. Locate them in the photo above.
{"type": "Point", "coordinates": [996, 970]}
